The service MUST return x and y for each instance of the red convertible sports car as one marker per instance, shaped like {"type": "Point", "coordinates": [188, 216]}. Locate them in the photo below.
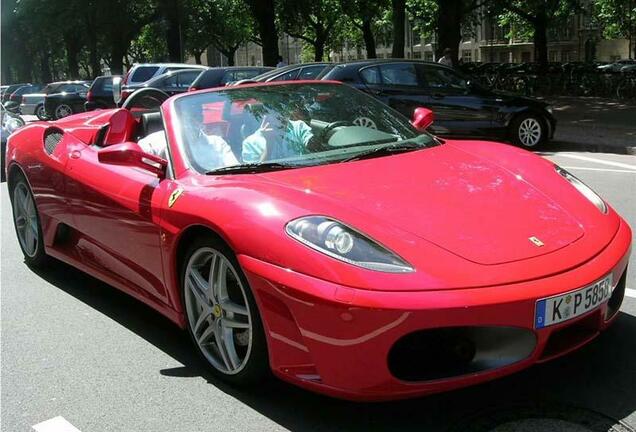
{"type": "Point", "coordinates": [308, 230]}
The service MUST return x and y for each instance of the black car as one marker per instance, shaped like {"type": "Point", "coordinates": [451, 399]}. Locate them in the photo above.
{"type": "Point", "coordinates": [301, 71]}
{"type": "Point", "coordinates": [100, 93]}
{"type": "Point", "coordinates": [173, 82]}
{"type": "Point", "coordinates": [220, 76]}
{"type": "Point", "coordinates": [65, 103]}
{"type": "Point", "coordinates": [462, 107]}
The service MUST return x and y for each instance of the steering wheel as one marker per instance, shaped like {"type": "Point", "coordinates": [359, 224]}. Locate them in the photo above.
{"type": "Point", "coordinates": [325, 134]}
{"type": "Point", "coordinates": [364, 122]}
{"type": "Point", "coordinates": [146, 99]}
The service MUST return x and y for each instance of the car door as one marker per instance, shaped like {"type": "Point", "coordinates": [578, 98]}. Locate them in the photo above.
{"type": "Point", "coordinates": [459, 109]}
{"type": "Point", "coordinates": [116, 210]}
{"type": "Point", "coordinates": [185, 80]}
{"type": "Point", "coordinates": [396, 84]}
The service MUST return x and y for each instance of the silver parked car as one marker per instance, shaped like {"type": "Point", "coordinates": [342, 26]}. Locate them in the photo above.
{"type": "Point", "coordinates": [33, 104]}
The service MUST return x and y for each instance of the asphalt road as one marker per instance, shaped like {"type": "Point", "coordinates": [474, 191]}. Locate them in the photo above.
{"type": "Point", "coordinates": [74, 347]}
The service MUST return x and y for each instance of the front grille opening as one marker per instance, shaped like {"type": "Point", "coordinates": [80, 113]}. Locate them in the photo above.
{"type": "Point", "coordinates": [572, 336]}
{"type": "Point", "coordinates": [52, 138]}
{"type": "Point", "coordinates": [616, 300]}
{"type": "Point", "coordinates": [454, 351]}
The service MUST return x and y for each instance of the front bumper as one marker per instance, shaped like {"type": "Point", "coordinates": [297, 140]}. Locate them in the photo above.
{"type": "Point", "coordinates": [337, 340]}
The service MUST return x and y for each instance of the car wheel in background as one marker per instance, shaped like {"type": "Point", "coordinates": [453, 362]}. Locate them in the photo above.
{"type": "Point", "coordinates": [528, 130]}
{"type": "Point", "coordinates": [27, 223]}
{"type": "Point", "coordinates": [221, 313]}
{"type": "Point", "coordinates": [62, 111]}
{"type": "Point", "coordinates": [40, 112]}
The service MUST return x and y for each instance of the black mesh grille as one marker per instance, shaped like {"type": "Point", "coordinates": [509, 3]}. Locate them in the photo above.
{"type": "Point", "coordinates": [52, 138]}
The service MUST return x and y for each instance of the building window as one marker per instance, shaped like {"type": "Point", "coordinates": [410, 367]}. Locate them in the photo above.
{"type": "Point", "coordinates": [428, 56]}
{"type": "Point", "coordinates": [526, 57]}
{"type": "Point", "coordinates": [417, 54]}
{"type": "Point", "coordinates": [553, 56]}
{"type": "Point", "coordinates": [467, 55]}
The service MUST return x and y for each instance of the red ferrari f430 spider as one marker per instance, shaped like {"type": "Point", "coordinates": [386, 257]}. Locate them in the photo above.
{"type": "Point", "coordinates": [308, 230]}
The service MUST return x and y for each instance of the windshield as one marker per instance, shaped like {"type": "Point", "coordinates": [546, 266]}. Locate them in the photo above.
{"type": "Point", "coordinates": [290, 125]}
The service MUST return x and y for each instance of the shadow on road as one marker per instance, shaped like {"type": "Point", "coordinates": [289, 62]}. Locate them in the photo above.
{"type": "Point", "coordinates": [599, 377]}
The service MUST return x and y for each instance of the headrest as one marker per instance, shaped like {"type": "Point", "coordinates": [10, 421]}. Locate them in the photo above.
{"type": "Point", "coordinates": [151, 122]}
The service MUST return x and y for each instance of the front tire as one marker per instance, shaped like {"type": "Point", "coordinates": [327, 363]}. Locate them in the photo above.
{"type": "Point", "coordinates": [221, 314]}
{"type": "Point", "coordinates": [27, 224]}
{"type": "Point", "coordinates": [528, 130]}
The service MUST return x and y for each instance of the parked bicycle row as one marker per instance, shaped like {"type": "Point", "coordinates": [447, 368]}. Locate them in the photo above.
{"type": "Point", "coordinates": [610, 80]}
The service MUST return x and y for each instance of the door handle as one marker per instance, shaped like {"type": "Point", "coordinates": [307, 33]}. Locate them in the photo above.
{"type": "Point", "coordinates": [437, 96]}
{"type": "Point", "coordinates": [75, 154]}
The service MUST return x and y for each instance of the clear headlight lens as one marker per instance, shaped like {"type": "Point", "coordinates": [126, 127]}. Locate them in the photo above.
{"type": "Point", "coordinates": [339, 241]}
{"type": "Point", "coordinates": [584, 189]}
{"type": "Point", "coordinates": [10, 124]}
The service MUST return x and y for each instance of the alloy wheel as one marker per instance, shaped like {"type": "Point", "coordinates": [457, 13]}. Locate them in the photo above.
{"type": "Point", "coordinates": [40, 113]}
{"type": "Point", "coordinates": [530, 132]}
{"type": "Point", "coordinates": [218, 311]}
{"type": "Point", "coordinates": [26, 219]}
{"type": "Point", "coordinates": [63, 111]}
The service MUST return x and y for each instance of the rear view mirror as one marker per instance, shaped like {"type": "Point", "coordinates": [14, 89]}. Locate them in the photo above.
{"type": "Point", "coordinates": [117, 89]}
{"type": "Point", "coordinates": [422, 118]}
{"type": "Point", "coordinates": [130, 154]}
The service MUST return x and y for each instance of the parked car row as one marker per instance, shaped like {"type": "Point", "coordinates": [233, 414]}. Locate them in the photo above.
{"type": "Point", "coordinates": [463, 107]}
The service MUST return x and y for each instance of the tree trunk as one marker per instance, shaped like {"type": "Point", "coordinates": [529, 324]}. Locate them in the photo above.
{"type": "Point", "coordinates": [264, 15]}
{"type": "Point", "coordinates": [72, 63]}
{"type": "Point", "coordinates": [449, 27]}
{"type": "Point", "coordinates": [93, 56]}
{"type": "Point", "coordinates": [117, 53]}
{"type": "Point", "coordinates": [319, 49]}
{"type": "Point", "coordinates": [197, 57]}
{"type": "Point", "coordinates": [540, 25]}
{"type": "Point", "coordinates": [170, 12]}
{"type": "Point", "coordinates": [45, 69]}
{"type": "Point", "coordinates": [369, 40]}
{"type": "Point", "coordinates": [229, 55]}
{"type": "Point", "coordinates": [399, 15]}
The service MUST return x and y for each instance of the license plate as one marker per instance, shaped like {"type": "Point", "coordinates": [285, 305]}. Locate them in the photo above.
{"type": "Point", "coordinates": [553, 310]}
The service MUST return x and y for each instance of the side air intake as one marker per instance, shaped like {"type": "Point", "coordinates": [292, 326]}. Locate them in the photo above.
{"type": "Point", "coordinates": [52, 138]}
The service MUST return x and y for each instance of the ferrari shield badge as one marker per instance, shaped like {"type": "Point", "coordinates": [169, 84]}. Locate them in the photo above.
{"type": "Point", "coordinates": [536, 241]}
{"type": "Point", "coordinates": [174, 196]}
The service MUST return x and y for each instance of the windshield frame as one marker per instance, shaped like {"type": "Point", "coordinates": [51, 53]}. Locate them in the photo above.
{"type": "Point", "coordinates": [174, 130]}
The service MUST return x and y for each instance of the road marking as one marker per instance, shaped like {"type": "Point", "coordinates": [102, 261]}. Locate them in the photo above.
{"type": "Point", "coordinates": [599, 161]}
{"type": "Point", "coordinates": [598, 169]}
{"type": "Point", "coordinates": [630, 292]}
{"type": "Point", "coordinates": [56, 424]}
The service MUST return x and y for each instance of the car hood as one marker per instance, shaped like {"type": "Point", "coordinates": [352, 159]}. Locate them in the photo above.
{"type": "Point", "coordinates": [463, 203]}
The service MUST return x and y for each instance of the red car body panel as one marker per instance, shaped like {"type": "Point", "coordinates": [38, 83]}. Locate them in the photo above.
{"type": "Point", "coordinates": [460, 213]}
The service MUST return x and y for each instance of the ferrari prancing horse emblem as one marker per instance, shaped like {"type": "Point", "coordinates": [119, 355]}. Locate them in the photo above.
{"type": "Point", "coordinates": [174, 196]}
{"type": "Point", "coordinates": [536, 241]}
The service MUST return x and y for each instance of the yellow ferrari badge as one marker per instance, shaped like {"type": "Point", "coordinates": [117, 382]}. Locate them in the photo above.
{"type": "Point", "coordinates": [174, 196]}
{"type": "Point", "coordinates": [536, 241]}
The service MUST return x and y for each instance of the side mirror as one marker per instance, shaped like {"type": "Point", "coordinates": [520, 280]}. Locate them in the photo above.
{"type": "Point", "coordinates": [422, 118]}
{"type": "Point", "coordinates": [130, 154]}
{"type": "Point", "coordinates": [117, 90]}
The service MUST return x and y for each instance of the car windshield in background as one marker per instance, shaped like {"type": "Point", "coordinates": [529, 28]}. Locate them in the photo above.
{"type": "Point", "coordinates": [286, 126]}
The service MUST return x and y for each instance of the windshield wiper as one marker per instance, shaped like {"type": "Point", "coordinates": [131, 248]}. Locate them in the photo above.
{"type": "Point", "coordinates": [251, 168]}
{"type": "Point", "coordinates": [383, 151]}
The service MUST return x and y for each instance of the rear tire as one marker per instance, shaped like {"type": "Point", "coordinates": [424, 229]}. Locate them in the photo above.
{"type": "Point", "coordinates": [528, 130]}
{"type": "Point", "coordinates": [222, 318]}
{"type": "Point", "coordinates": [26, 221]}
{"type": "Point", "coordinates": [40, 112]}
{"type": "Point", "coordinates": [62, 111]}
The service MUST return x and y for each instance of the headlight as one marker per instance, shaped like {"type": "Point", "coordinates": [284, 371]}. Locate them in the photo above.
{"type": "Point", "coordinates": [339, 241]}
{"type": "Point", "coordinates": [584, 189]}
{"type": "Point", "coordinates": [10, 124]}
{"type": "Point", "coordinates": [549, 109]}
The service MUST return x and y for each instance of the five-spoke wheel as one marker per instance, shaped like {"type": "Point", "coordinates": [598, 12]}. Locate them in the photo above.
{"type": "Point", "coordinates": [222, 316]}
{"type": "Point", "coordinates": [27, 222]}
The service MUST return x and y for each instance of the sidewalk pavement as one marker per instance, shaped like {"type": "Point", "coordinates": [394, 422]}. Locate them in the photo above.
{"type": "Point", "coordinates": [595, 122]}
